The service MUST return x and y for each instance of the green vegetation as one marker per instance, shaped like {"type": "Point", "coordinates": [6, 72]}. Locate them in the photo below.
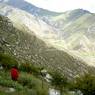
{"type": "Point", "coordinates": [82, 84]}
{"type": "Point", "coordinates": [30, 68]}
{"type": "Point", "coordinates": [59, 81]}
{"type": "Point", "coordinates": [86, 84]}
{"type": "Point", "coordinates": [28, 82]}
{"type": "Point", "coordinates": [7, 61]}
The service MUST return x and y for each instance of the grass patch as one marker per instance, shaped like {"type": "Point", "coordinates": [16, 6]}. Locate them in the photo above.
{"type": "Point", "coordinates": [29, 81]}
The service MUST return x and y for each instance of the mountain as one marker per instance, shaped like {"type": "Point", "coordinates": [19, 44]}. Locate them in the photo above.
{"type": "Point", "coordinates": [69, 16]}
{"type": "Point", "coordinates": [30, 21]}
{"type": "Point", "coordinates": [43, 14]}
{"type": "Point", "coordinates": [26, 45]}
{"type": "Point", "coordinates": [74, 35]}
{"type": "Point", "coordinates": [22, 4]}
{"type": "Point", "coordinates": [77, 29]}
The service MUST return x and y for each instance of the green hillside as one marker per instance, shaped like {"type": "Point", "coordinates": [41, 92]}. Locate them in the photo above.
{"type": "Point", "coordinates": [29, 81]}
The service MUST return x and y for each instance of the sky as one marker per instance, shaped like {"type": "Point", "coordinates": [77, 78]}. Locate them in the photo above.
{"type": "Point", "coordinates": [64, 5]}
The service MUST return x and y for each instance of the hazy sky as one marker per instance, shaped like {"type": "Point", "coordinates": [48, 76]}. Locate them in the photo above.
{"type": "Point", "coordinates": [64, 5]}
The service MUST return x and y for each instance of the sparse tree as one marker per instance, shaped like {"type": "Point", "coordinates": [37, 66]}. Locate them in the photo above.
{"type": "Point", "coordinates": [86, 84]}
{"type": "Point", "coordinates": [59, 81]}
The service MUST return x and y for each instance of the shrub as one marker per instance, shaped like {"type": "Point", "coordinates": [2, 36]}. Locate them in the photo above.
{"type": "Point", "coordinates": [86, 84]}
{"type": "Point", "coordinates": [58, 81]}
{"type": "Point", "coordinates": [30, 68]}
{"type": "Point", "coordinates": [10, 83]}
{"type": "Point", "coordinates": [25, 67]}
{"type": "Point", "coordinates": [7, 61]}
{"type": "Point", "coordinates": [33, 83]}
{"type": "Point", "coordinates": [24, 79]}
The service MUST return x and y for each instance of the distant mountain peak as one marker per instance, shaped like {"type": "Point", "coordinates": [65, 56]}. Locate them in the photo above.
{"type": "Point", "coordinates": [76, 13]}
{"type": "Point", "coordinates": [26, 6]}
{"type": "Point", "coordinates": [80, 10]}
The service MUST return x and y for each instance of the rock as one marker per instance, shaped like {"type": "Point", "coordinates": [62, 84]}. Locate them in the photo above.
{"type": "Point", "coordinates": [1, 67]}
{"type": "Point", "coordinates": [53, 92]}
{"type": "Point", "coordinates": [10, 90]}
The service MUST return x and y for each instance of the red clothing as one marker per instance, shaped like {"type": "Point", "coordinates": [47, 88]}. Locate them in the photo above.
{"type": "Point", "coordinates": [14, 74]}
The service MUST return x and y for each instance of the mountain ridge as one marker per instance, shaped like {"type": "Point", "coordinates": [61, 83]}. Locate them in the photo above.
{"type": "Point", "coordinates": [73, 34]}
{"type": "Point", "coordinates": [68, 36]}
{"type": "Point", "coordinates": [24, 5]}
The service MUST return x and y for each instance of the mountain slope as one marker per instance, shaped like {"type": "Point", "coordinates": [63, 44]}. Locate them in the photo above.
{"type": "Point", "coordinates": [78, 32]}
{"type": "Point", "coordinates": [68, 16]}
{"type": "Point", "coordinates": [43, 14]}
{"type": "Point", "coordinates": [26, 46]}
{"type": "Point", "coordinates": [24, 5]}
{"type": "Point", "coordinates": [83, 26]}
{"type": "Point", "coordinates": [72, 30]}
{"type": "Point", "coordinates": [29, 21]}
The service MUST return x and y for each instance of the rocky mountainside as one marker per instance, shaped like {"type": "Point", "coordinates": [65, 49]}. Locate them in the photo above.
{"type": "Point", "coordinates": [73, 30]}
{"type": "Point", "coordinates": [25, 45]}
{"type": "Point", "coordinates": [77, 30]}
{"type": "Point", "coordinates": [30, 21]}
{"type": "Point", "coordinates": [72, 34]}
{"type": "Point", "coordinates": [24, 5]}
{"type": "Point", "coordinates": [43, 14]}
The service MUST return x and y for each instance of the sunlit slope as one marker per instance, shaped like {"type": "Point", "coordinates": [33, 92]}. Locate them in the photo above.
{"type": "Point", "coordinates": [28, 21]}
{"type": "Point", "coordinates": [26, 46]}
{"type": "Point", "coordinates": [77, 29]}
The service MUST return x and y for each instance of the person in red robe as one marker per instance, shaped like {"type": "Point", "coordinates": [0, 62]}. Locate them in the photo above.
{"type": "Point", "coordinates": [14, 73]}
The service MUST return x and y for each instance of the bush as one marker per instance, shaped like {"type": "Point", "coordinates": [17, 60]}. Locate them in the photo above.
{"type": "Point", "coordinates": [59, 81]}
{"type": "Point", "coordinates": [25, 67]}
{"type": "Point", "coordinates": [33, 83]}
{"type": "Point", "coordinates": [86, 84]}
{"type": "Point", "coordinates": [7, 61]}
{"type": "Point", "coordinates": [24, 79]}
{"type": "Point", "coordinates": [30, 68]}
{"type": "Point", "coordinates": [10, 83]}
